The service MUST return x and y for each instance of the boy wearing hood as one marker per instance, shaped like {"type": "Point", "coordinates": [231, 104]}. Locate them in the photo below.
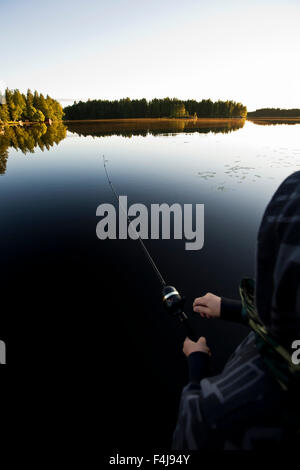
{"type": "Point", "coordinates": [253, 403]}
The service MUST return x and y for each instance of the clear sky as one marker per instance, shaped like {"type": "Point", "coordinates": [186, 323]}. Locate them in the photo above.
{"type": "Point", "coordinates": [245, 50]}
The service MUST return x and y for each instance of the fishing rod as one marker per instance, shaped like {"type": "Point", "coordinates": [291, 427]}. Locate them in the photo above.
{"type": "Point", "coordinates": [173, 302]}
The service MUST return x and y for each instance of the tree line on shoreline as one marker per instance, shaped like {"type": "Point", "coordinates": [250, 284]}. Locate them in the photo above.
{"type": "Point", "coordinates": [33, 107]}
{"type": "Point", "coordinates": [156, 108]}
{"type": "Point", "coordinates": [275, 112]}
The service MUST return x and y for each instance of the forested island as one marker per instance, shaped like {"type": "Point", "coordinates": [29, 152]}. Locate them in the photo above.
{"type": "Point", "coordinates": [156, 108]}
{"type": "Point", "coordinates": [17, 107]}
{"type": "Point", "coordinates": [275, 112]}
{"type": "Point", "coordinates": [32, 107]}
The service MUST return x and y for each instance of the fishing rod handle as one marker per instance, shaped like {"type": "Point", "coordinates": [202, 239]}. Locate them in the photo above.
{"type": "Point", "coordinates": [189, 328]}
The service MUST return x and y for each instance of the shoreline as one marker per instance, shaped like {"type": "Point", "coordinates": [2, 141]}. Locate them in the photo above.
{"type": "Point", "coordinates": [25, 123]}
{"type": "Point", "coordinates": [153, 120]}
{"type": "Point", "coordinates": [156, 120]}
{"type": "Point", "coordinates": [269, 118]}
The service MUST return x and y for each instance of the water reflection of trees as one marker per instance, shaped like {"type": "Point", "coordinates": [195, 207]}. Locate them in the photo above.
{"type": "Point", "coordinates": [273, 122]}
{"type": "Point", "coordinates": [28, 138]}
{"type": "Point", "coordinates": [155, 127]}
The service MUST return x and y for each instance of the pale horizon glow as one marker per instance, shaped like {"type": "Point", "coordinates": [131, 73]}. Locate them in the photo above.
{"type": "Point", "coordinates": [247, 51]}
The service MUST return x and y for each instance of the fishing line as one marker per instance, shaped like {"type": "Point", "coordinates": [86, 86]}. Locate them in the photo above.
{"type": "Point", "coordinates": [172, 300]}
{"type": "Point", "coordinates": [151, 260]}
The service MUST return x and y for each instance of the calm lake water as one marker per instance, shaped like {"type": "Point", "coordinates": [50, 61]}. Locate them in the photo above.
{"type": "Point", "coordinates": [87, 313]}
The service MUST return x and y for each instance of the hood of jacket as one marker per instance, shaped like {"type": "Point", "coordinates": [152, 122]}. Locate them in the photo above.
{"type": "Point", "coordinates": [278, 263]}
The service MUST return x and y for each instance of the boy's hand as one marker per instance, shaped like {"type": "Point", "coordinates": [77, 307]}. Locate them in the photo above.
{"type": "Point", "coordinates": [190, 346]}
{"type": "Point", "coordinates": [209, 306]}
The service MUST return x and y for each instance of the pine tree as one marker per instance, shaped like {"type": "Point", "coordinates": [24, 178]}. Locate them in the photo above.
{"type": "Point", "coordinates": [4, 113]}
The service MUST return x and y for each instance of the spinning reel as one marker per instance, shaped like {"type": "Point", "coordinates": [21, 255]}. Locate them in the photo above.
{"type": "Point", "coordinates": [174, 304]}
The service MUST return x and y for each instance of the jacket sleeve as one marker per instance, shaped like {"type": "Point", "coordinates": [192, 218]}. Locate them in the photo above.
{"type": "Point", "coordinates": [192, 432]}
{"type": "Point", "coordinates": [231, 310]}
{"type": "Point", "coordinates": [199, 366]}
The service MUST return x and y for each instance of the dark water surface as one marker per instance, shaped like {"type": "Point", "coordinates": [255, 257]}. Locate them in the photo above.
{"type": "Point", "coordinates": [83, 319]}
